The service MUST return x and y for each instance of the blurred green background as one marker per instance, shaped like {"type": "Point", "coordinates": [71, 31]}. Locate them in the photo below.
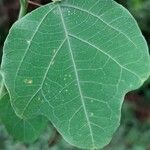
{"type": "Point", "coordinates": [134, 131]}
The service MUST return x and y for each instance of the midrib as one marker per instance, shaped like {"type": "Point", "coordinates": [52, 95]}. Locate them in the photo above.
{"type": "Point", "coordinates": [76, 74]}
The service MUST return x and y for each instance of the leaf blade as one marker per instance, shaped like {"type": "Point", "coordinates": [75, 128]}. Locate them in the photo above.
{"type": "Point", "coordinates": [80, 69]}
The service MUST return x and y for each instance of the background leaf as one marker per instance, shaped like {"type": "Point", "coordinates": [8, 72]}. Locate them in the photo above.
{"type": "Point", "coordinates": [73, 62]}
{"type": "Point", "coordinates": [26, 130]}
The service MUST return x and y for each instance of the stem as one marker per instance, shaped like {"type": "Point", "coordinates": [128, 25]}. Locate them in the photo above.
{"type": "Point", "coordinates": [23, 8]}
{"type": "Point", "coordinates": [34, 3]}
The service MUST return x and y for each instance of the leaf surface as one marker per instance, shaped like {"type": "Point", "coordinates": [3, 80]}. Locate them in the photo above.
{"type": "Point", "coordinates": [73, 62]}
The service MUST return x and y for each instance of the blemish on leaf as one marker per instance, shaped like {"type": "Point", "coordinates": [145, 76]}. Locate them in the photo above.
{"type": "Point", "coordinates": [28, 41]}
{"type": "Point", "coordinates": [28, 81]}
{"type": "Point", "coordinates": [91, 114]}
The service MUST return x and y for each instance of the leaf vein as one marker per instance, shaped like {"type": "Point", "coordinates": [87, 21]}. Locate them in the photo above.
{"type": "Point", "coordinates": [77, 77]}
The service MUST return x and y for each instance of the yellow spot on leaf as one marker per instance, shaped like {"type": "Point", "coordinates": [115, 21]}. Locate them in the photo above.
{"type": "Point", "coordinates": [28, 81]}
{"type": "Point", "coordinates": [91, 114]}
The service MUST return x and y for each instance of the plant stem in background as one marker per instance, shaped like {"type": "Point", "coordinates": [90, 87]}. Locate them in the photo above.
{"type": "Point", "coordinates": [23, 8]}
{"type": "Point", "coordinates": [34, 3]}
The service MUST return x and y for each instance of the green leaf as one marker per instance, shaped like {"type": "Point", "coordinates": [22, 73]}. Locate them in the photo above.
{"type": "Point", "coordinates": [1, 84]}
{"type": "Point", "coordinates": [73, 62]}
{"type": "Point", "coordinates": [26, 130]}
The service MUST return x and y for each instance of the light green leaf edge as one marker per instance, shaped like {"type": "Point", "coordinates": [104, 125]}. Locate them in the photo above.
{"type": "Point", "coordinates": [133, 71]}
{"type": "Point", "coordinates": [1, 84]}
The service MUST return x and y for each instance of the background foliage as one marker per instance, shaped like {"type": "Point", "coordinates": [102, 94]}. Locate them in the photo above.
{"type": "Point", "coordinates": [134, 132]}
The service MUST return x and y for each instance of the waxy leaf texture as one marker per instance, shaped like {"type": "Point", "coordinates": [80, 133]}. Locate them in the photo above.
{"type": "Point", "coordinates": [73, 61]}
